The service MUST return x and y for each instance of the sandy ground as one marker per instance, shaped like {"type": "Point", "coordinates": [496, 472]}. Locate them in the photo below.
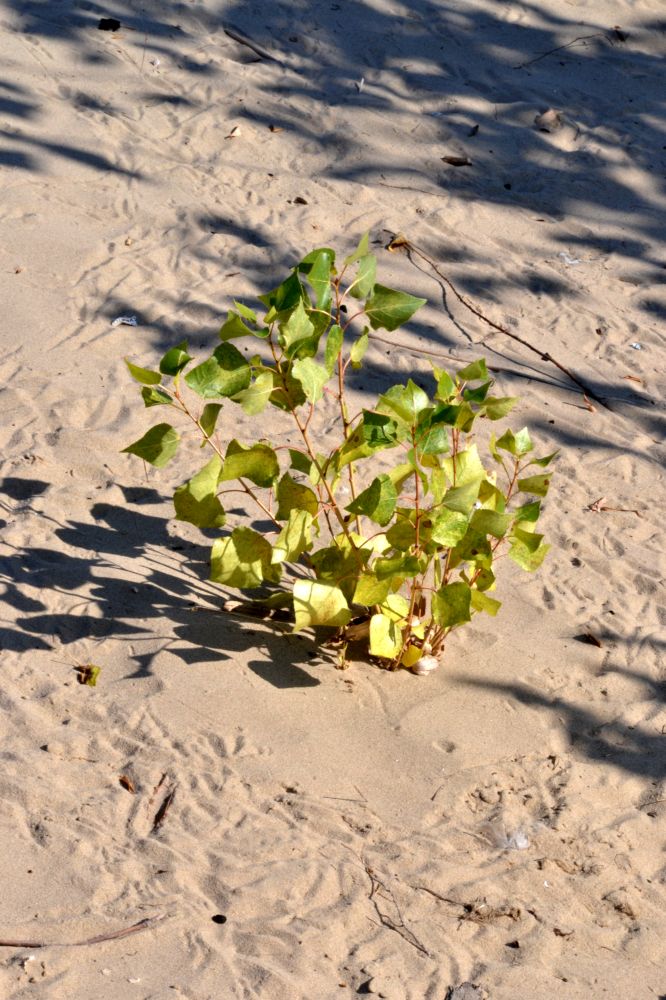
{"type": "Point", "coordinates": [500, 822]}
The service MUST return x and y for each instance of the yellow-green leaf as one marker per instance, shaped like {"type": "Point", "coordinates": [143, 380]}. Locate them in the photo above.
{"type": "Point", "coordinates": [257, 462]}
{"type": "Point", "coordinates": [243, 560]}
{"type": "Point", "coordinates": [157, 446]}
{"type": "Point", "coordinates": [294, 539]}
{"type": "Point", "coordinates": [294, 496]}
{"type": "Point", "coordinates": [319, 604]}
{"type": "Point", "coordinates": [196, 501]}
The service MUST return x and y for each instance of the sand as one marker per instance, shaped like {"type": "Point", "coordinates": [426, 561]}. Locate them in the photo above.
{"type": "Point", "coordinates": [500, 822]}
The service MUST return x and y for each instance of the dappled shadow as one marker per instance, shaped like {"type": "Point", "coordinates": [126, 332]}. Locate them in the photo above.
{"type": "Point", "coordinates": [633, 748]}
{"type": "Point", "coordinates": [472, 80]}
{"type": "Point", "coordinates": [122, 580]}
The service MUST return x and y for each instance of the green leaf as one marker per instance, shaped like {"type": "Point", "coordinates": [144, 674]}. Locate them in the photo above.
{"type": "Point", "coordinates": [546, 460]}
{"type": "Point", "coordinates": [479, 394]}
{"type": "Point", "coordinates": [339, 563]}
{"type": "Point", "coordinates": [396, 607]}
{"type": "Point", "coordinates": [527, 549]}
{"type": "Point", "coordinates": [400, 473]}
{"type": "Point", "coordinates": [451, 604]}
{"type": "Point", "coordinates": [462, 498]}
{"type": "Point", "coordinates": [403, 402]}
{"type": "Point", "coordinates": [294, 496]}
{"type": "Point", "coordinates": [401, 535]}
{"type": "Point", "coordinates": [490, 522]}
{"type": "Point", "coordinates": [175, 359]}
{"type": "Point", "coordinates": [385, 637]}
{"type": "Point", "coordinates": [224, 374]}
{"type": "Point", "coordinates": [446, 387]}
{"type": "Point", "coordinates": [398, 567]}
{"type": "Point", "coordinates": [485, 578]}
{"type": "Point", "coordinates": [523, 441]}
{"type": "Point", "coordinates": [492, 497]}
{"type": "Point", "coordinates": [243, 560]}
{"type": "Point", "coordinates": [294, 539]}
{"type": "Point", "coordinates": [374, 432]}
{"type": "Point", "coordinates": [257, 462]}
{"type": "Point", "coordinates": [157, 446]}
{"type": "Point", "coordinates": [359, 347]}
{"type": "Point", "coordinates": [474, 372]}
{"type": "Point", "coordinates": [517, 444]}
{"type": "Point", "coordinates": [360, 251]}
{"type": "Point", "coordinates": [333, 347]}
{"type": "Point", "coordinates": [448, 528]}
{"type": "Point", "coordinates": [377, 502]}
{"type": "Point", "coordinates": [319, 604]}
{"type": "Point", "coordinates": [317, 266]}
{"type": "Point", "coordinates": [301, 462]}
{"type": "Point", "coordinates": [296, 335]}
{"type": "Point", "coordinates": [143, 375]}
{"type": "Point", "coordinates": [248, 314]}
{"type": "Point", "coordinates": [529, 512]}
{"type": "Point", "coordinates": [283, 298]}
{"type": "Point", "coordinates": [196, 501]}
{"type": "Point", "coordinates": [432, 435]}
{"type": "Point", "coordinates": [370, 590]}
{"type": "Point", "coordinates": [312, 376]}
{"type": "Point", "coordinates": [388, 309]}
{"type": "Point", "coordinates": [364, 282]}
{"type": "Point", "coordinates": [155, 397]}
{"type": "Point", "coordinates": [208, 417]}
{"type": "Point", "coordinates": [466, 417]}
{"type": "Point", "coordinates": [497, 407]}
{"type": "Point", "coordinates": [467, 466]}
{"type": "Point", "coordinates": [288, 392]}
{"type": "Point", "coordinates": [234, 327]}
{"type": "Point", "coordinates": [481, 602]}
{"type": "Point", "coordinates": [537, 485]}
{"type": "Point", "coordinates": [254, 399]}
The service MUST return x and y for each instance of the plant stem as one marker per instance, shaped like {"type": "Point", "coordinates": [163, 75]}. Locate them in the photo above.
{"type": "Point", "coordinates": [209, 441]}
{"type": "Point", "coordinates": [311, 453]}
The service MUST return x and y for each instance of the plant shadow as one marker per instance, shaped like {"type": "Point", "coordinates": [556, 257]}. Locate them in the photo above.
{"type": "Point", "coordinates": [124, 579]}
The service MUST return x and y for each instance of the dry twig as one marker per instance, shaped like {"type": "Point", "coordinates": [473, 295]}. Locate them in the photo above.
{"type": "Point", "coordinates": [141, 925]}
{"type": "Point", "coordinates": [400, 242]}
{"type": "Point", "coordinates": [598, 506]}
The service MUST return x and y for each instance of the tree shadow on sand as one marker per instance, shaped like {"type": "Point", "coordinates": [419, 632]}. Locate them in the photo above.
{"type": "Point", "coordinates": [635, 749]}
{"type": "Point", "coordinates": [479, 73]}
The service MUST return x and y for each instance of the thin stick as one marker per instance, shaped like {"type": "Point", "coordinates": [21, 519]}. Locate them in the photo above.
{"type": "Point", "coordinates": [401, 243]}
{"type": "Point", "coordinates": [567, 45]}
{"type": "Point", "coordinates": [160, 815]}
{"type": "Point", "coordinates": [98, 939]}
{"type": "Point", "coordinates": [244, 40]}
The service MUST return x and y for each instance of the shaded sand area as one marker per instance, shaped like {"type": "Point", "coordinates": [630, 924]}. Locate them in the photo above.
{"type": "Point", "coordinates": [500, 822]}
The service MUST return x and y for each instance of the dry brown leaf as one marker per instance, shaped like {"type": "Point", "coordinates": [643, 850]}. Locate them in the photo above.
{"type": "Point", "coordinates": [458, 161]}
{"type": "Point", "coordinates": [633, 378]}
{"type": "Point", "coordinates": [235, 132]}
{"type": "Point", "coordinates": [127, 784]}
{"type": "Point", "coordinates": [588, 404]}
{"type": "Point", "coordinates": [275, 128]}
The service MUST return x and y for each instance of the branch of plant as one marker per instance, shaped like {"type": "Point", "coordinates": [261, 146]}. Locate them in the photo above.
{"type": "Point", "coordinates": [218, 451]}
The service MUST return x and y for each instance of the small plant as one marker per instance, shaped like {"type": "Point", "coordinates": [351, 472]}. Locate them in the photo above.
{"type": "Point", "coordinates": [395, 554]}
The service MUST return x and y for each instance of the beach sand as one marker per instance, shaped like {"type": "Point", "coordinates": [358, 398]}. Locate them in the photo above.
{"type": "Point", "coordinates": [329, 833]}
